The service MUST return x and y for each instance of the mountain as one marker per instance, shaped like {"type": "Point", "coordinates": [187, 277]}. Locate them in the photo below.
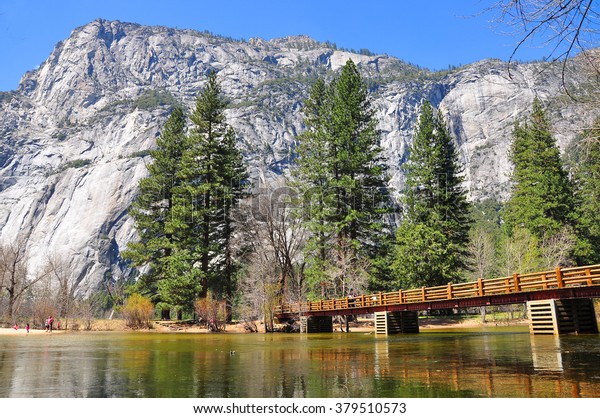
{"type": "Point", "coordinates": [75, 135]}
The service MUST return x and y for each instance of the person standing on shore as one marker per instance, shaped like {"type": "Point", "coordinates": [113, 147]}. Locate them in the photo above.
{"type": "Point", "coordinates": [27, 327]}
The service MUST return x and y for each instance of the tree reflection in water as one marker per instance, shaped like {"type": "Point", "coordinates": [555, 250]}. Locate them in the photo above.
{"type": "Point", "coordinates": [429, 364]}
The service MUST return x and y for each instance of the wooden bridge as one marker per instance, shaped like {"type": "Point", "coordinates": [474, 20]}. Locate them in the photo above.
{"type": "Point", "coordinates": [574, 283]}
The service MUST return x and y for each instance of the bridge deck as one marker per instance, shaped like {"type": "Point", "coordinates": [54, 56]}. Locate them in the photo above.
{"type": "Point", "coordinates": [561, 283]}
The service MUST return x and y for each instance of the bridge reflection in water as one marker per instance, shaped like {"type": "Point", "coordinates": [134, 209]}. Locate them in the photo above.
{"type": "Point", "coordinates": [548, 371]}
{"type": "Point", "coordinates": [561, 284]}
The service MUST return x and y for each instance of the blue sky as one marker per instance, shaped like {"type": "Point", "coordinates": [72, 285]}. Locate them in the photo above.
{"type": "Point", "coordinates": [432, 33]}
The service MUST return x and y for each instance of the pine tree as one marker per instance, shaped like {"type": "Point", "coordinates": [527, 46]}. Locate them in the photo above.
{"type": "Point", "coordinates": [357, 163]}
{"type": "Point", "coordinates": [314, 181]}
{"type": "Point", "coordinates": [152, 210]}
{"type": "Point", "coordinates": [342, 178]}
{"type": "Point", "coordinates": [183, 213]}
{"type": "Point", "coordinates": [431, 243]}
{"type": "Point", "coordinates": [587, 197]}
{"type": "Point", "coordinates": [212, 178]}
{"type": "Point", "coordinates": [542, 198]}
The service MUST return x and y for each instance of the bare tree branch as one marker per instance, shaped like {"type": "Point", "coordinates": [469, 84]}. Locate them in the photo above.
{"type": "Point", "coordinates": [15, 276]}
{"type": "Point", "coordinates": [569, 27]}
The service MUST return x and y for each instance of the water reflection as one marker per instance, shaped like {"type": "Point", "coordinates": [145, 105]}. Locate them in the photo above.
{"type": "Point", "coordinates": [472, 364]}
{"type": "Point", "coordinates": [546, 353]}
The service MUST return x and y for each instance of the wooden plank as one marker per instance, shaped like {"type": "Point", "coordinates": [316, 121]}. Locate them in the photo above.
{"type": "Point", "coordinates": [516, 282]}
{"type": "Point", "coordinates": [559, 278]}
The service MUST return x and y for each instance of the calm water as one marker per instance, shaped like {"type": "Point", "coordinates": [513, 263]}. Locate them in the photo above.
{"type": "Point", "coordinates": [430, 364]}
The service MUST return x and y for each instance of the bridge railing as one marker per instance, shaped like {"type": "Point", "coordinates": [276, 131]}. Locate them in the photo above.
{"type": "Point", "coordinates": [552, 279]}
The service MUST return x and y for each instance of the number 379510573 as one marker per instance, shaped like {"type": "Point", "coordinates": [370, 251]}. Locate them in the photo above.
{"type": "Point", "coordinates": [370, 407]}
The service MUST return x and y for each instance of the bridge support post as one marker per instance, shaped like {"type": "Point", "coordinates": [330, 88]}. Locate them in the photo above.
{"type": "Point", "coordinates": [316, 324]}
{"type": "Point", "coordinates": [562, 316]}
{"type": "Point", "coordinates": [399, 322]}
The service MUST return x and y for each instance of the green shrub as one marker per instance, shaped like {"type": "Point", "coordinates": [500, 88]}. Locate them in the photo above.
{"type": "Point", "coordinates": [152, 99]}
{"type": "Point", "coordinates": [77, 163]}
{"type": "Point", "coordinates": [140, 154]}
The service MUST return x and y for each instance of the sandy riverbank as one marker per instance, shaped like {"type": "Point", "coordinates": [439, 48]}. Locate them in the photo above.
{"type": "Point", "coordinates": [23, 331]}
{"type": "Point", "coordinates": [186, 327]}
{"type": "Point", "coordinates": [441, 323]}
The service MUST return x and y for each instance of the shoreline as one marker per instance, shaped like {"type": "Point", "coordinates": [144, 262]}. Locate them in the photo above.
{"type": "Point", "coordinates": [23, 331]}
{"type": "Point", "coordinates": [180, 327]}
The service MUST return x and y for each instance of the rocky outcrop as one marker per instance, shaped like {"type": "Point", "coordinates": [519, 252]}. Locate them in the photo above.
{"type": "Point", "coordinates": [75, 135]}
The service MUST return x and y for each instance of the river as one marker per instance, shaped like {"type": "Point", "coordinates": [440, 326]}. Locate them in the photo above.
{"type": "Point", "coordinates": [469, 363]}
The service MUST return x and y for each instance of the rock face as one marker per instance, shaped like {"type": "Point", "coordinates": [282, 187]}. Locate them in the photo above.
{"type": "Point", "coordinates": [74, 136]}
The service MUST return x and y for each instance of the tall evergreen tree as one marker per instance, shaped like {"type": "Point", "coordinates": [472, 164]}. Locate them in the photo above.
{"type": "Point", "coordinates": [357, 162]}
{"type": "Point", "coordinates": [184, 209]}
{"type": "Point", "coordinates": [314, 180]}
{"type": "Point", "coordinates": [587, 197]}
{"type": "Point", "coordinates": [153, 212]}
{"type": "Point", "coordinates": [212, 178]}
{"type": "Point", "coordinates": [343, 179]}
{"type": "Point", "coordinates": [542, 198]}
{"type": "Point", "coordinates": [431, 243]}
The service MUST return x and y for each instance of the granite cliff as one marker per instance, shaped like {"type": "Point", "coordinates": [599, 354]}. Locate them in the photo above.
{"type": "Point", "coordinates": [74, 136]}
